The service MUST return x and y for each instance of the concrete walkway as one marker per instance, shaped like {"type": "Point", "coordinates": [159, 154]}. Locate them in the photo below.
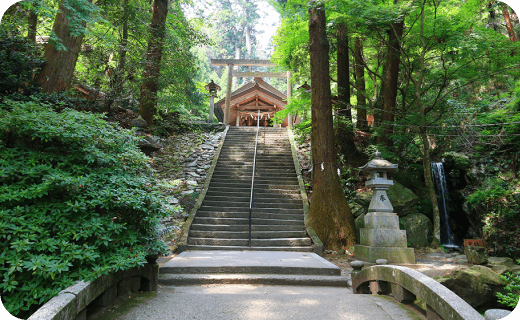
{"type": "Point", "coordinates": [241, 302]}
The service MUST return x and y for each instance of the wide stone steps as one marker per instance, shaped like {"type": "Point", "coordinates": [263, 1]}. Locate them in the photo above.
{"type": "Point", "coordinates": [222, 221]}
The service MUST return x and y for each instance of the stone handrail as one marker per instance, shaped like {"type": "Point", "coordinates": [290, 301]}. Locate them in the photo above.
{"type": "Point", "coordinates": [183, 239]}
{"type": "Point", "coordinates": [318, 245]}
{"type": "Point", "coordinates": [405, 285]}
{"type": "Point", "coordinates": [76, 301]}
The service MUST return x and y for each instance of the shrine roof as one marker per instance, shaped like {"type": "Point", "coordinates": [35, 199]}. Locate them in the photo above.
{"type": "Point", "coordinates": [259, 85]}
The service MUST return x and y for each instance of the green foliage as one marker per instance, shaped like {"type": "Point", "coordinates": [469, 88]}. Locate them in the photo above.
{"type": "Point", "coordinates": [77, 200]}
{"type": "Point", "coordinates": [20, 60]}
{"type": "Point", "coordinates": [512, 296]}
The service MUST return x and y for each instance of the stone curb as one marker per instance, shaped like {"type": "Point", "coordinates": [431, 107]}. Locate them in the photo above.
{"type": "Point", "coordinates": [183, 239]}
{"type": "Point", "coordinates": [71, 303]}
{"type": "Point", "coordinates": [318, 245]}
{"type": "Point", "coordinates": [292, 280]}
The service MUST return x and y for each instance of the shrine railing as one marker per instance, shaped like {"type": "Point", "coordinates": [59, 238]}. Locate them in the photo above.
{"type": "Point", "coordinates": [251, 199]}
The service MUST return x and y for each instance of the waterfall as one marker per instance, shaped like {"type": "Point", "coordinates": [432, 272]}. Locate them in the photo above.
{"type": "Point", "coordinates": [439, 179]}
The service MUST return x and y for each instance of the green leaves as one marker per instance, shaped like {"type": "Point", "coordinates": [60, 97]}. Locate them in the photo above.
{"type": "Point", "coordinates": [77, 200]}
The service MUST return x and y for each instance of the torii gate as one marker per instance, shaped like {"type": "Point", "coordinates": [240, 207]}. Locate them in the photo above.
{"type": "Point", "coordinates": [250, 62]}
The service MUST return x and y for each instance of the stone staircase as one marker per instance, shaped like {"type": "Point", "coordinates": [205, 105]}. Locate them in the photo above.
{"type": "Point", "coordinates": [222, 221]}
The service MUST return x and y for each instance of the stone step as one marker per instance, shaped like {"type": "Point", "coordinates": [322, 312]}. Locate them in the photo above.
{"type": "Point", "coordinates": [239, 206]}
{"type": "Point", "coordinates": [254, 215]}
{"type": "Point", "coordinates": [245, 234]}
{"type": "Point", "coordinates": [253, 279]}
{"type": "Point", "coordinates": [279, 242]}
{"type": "Point", "coordinates": [245, 221]}
{"type": "Point", "coordinates": [256, 198]}
{"type": "Point", "coordinates": [259, 186]}
{"type": "Point", "coordinates": [275, 210]}
{"type": "Point", "coordinates": [231, 192]}
{"type": "Point", "coordinates": [228, 227]}
{"type": "Point", "coordinates": [253, 248]}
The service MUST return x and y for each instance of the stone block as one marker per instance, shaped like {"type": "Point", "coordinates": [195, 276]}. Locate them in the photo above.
{"type": "Point", "coordinates": [124, 287]}
{"type": "Point", "coordinates": [476, 255]}
{"type": "Point", "coordinates": [401, 294]}
{"type": "Point", "coordinates": [106, 298]}
{"type": "Point", "coordinates": [380, 287]}
{"type": "Point", "coordinates": [383, 237]}
{"type": "Point", "coordinates": [380, 202]}
{"type": "Point", "coordinates": [62, 306]}
{"type": "Point", "coordinates": [431, 314]}
{"type": "Point", "coordinates": [496, 314]}
{"type": "Point", "coordinates": [381, 220]}
{"type": "Point", "coordinates": [392, 255]}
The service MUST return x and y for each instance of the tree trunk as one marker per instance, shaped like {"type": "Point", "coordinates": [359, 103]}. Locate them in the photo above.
{"type": "Point", "coordinates": [116, 82]}
{"type": "Point", "coordinates": [56, 75]}
{"type": "Point", "coordinates": [32, 23]}
{"type": "Point", "coordinates": [345, 133]}
{"type": "Point", "coordinates": [360, 85]}
{"type": "Point", "coordinates": [509, 25]}
{"type": "Point", "coordinates": [390, 79]}
{"type": "Point", "coordinates": [329, 213]}
{"type": "Point", "coordinates": [148, 100]}
{"type": "Point", "coordinates": [431, 191]}
{"type": "Point", "coordinates": [236, 68]}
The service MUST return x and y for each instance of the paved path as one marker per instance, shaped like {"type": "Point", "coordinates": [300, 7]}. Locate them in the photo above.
{"type": "Point", "coordinates": [237, 302]}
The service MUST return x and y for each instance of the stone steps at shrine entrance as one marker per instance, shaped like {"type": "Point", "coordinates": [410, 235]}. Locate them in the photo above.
{"type": "Point", "coordinates": [277, 224]}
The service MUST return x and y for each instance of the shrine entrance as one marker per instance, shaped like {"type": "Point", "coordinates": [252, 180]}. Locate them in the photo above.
{"type": "Point", "coordinates": [240, 107]}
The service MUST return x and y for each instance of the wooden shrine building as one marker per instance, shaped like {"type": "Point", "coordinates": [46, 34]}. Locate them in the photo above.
{"type": "Point", "coordinates": [248, 99]}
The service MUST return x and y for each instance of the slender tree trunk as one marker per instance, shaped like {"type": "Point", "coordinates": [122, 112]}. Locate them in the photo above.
{"type": "Point", "coordinates": [148, 100]}
{"type": "Point", "coordinates": [492, 15]}
{"type": "Point", "coordinates": [32, 23]}
{"type": "Point", "coordinates": [516, 22]}
{"type": "Point", "coordinates": [431, 190]}
{"type": "Point", "coordinates": [116, 82]}
{"type": "Point", "coordinates": [345, 133]}
{"type": "Point", "coordinates": [509, 25]}
{"type": "Point", "coordinates": [56, 75]}
{"type": "Point", "coordinates": [329, 213]}
{"type": "Point", "coordinates": [360, 85]}
{"type": "Point", "coordinates": [390, 79]}
{"type": "Point", "coordinates": [236, 68]}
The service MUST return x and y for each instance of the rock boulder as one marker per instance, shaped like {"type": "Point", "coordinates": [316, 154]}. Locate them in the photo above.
{"type": "Point", "coordinates": [477, 285]}
{"type": "Point", "coordinates": [419, 229]}
{"type": "Point", "coordinates": [476, 255]}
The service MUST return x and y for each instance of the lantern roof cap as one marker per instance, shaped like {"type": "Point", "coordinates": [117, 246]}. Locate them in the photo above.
{"type": "Point", "coordinates": [378, 163]}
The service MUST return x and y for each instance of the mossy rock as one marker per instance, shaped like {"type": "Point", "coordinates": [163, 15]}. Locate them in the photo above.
{"type": "Point", "coordinates": [403, 199]}
{"type": "Point", "coordinates": [357, 209]}
{"type": "Point", "coordinates": [360, 223]}
{"type": "Point", "coordinates": [419, 229]}
{"type": "Point", "coordinates": [457, 160]}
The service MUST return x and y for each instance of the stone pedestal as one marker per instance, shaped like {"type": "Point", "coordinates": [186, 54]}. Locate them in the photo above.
{"type": "Point", "coordinates": [382, 239]}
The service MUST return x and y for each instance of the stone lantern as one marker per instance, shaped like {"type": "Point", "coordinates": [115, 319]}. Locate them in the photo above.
{"type": "Point", "coordinates": [381, 237]}
{"type": "Point", "coordinates": [212, 88]}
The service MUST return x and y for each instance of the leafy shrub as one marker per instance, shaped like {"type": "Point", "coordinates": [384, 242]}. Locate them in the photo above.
{"type": "Point", "coordinates": [20, 60]}
{"type": "Point", "coordinates": [77, 200]}
{"type": "Point", "coordinates": [512, 297]}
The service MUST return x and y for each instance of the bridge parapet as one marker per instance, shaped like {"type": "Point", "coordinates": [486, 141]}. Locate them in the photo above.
{"type": "Point", "coordinates": [406, 284]}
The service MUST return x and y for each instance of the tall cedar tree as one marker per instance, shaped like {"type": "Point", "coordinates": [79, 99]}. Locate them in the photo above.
{"type": "Point", "coordinates": [345, 133]}
{"type": "Point", "coordinates": [148, 100]}
{"type": "Point", "coordinates": [329, 214]}
{"type": "Point", "coordinates": [391, 77]}
{"type": "Point", "coordinates": [57, 73]}
{"type": "Point", "coordinates": [362, 123]}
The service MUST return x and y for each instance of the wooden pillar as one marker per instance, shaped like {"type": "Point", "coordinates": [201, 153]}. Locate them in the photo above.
{"type": "Point", "coordinates": [228, 93]}
{"type": "Point", "coordinates": [289, 95]}
{"type": "Point", "coordinates": [238, 119]}
{"type": "Point", "coordinates": [211, 108]}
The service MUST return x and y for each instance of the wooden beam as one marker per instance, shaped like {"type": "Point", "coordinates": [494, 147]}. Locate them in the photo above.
{"type": "Point", "coordinates": [260, 74]}
{"type": "Point", "coordinates": [242, 62]}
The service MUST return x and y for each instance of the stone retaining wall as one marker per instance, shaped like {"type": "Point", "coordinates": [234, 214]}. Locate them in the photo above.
{"type": "Point", "coordinates": [86, 298]}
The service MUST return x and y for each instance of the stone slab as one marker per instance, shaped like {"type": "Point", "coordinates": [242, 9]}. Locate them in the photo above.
{"type": "Point", "coordinates": [383, 237]}
{"type": "Point", "coordinates": [260, 262]}
{"type": "Point", "coordinates": [381, 220]}
{"type": "Point", "coordinates": [392, 254]}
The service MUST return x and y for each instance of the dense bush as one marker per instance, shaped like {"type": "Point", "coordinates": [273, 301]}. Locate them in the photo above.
{"type": "Point", "coordinates": [512, 295]}
{"type": "Point", "coordinates": [77, 200]}
{"type": "Point", "coordinates": [20, 60]}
